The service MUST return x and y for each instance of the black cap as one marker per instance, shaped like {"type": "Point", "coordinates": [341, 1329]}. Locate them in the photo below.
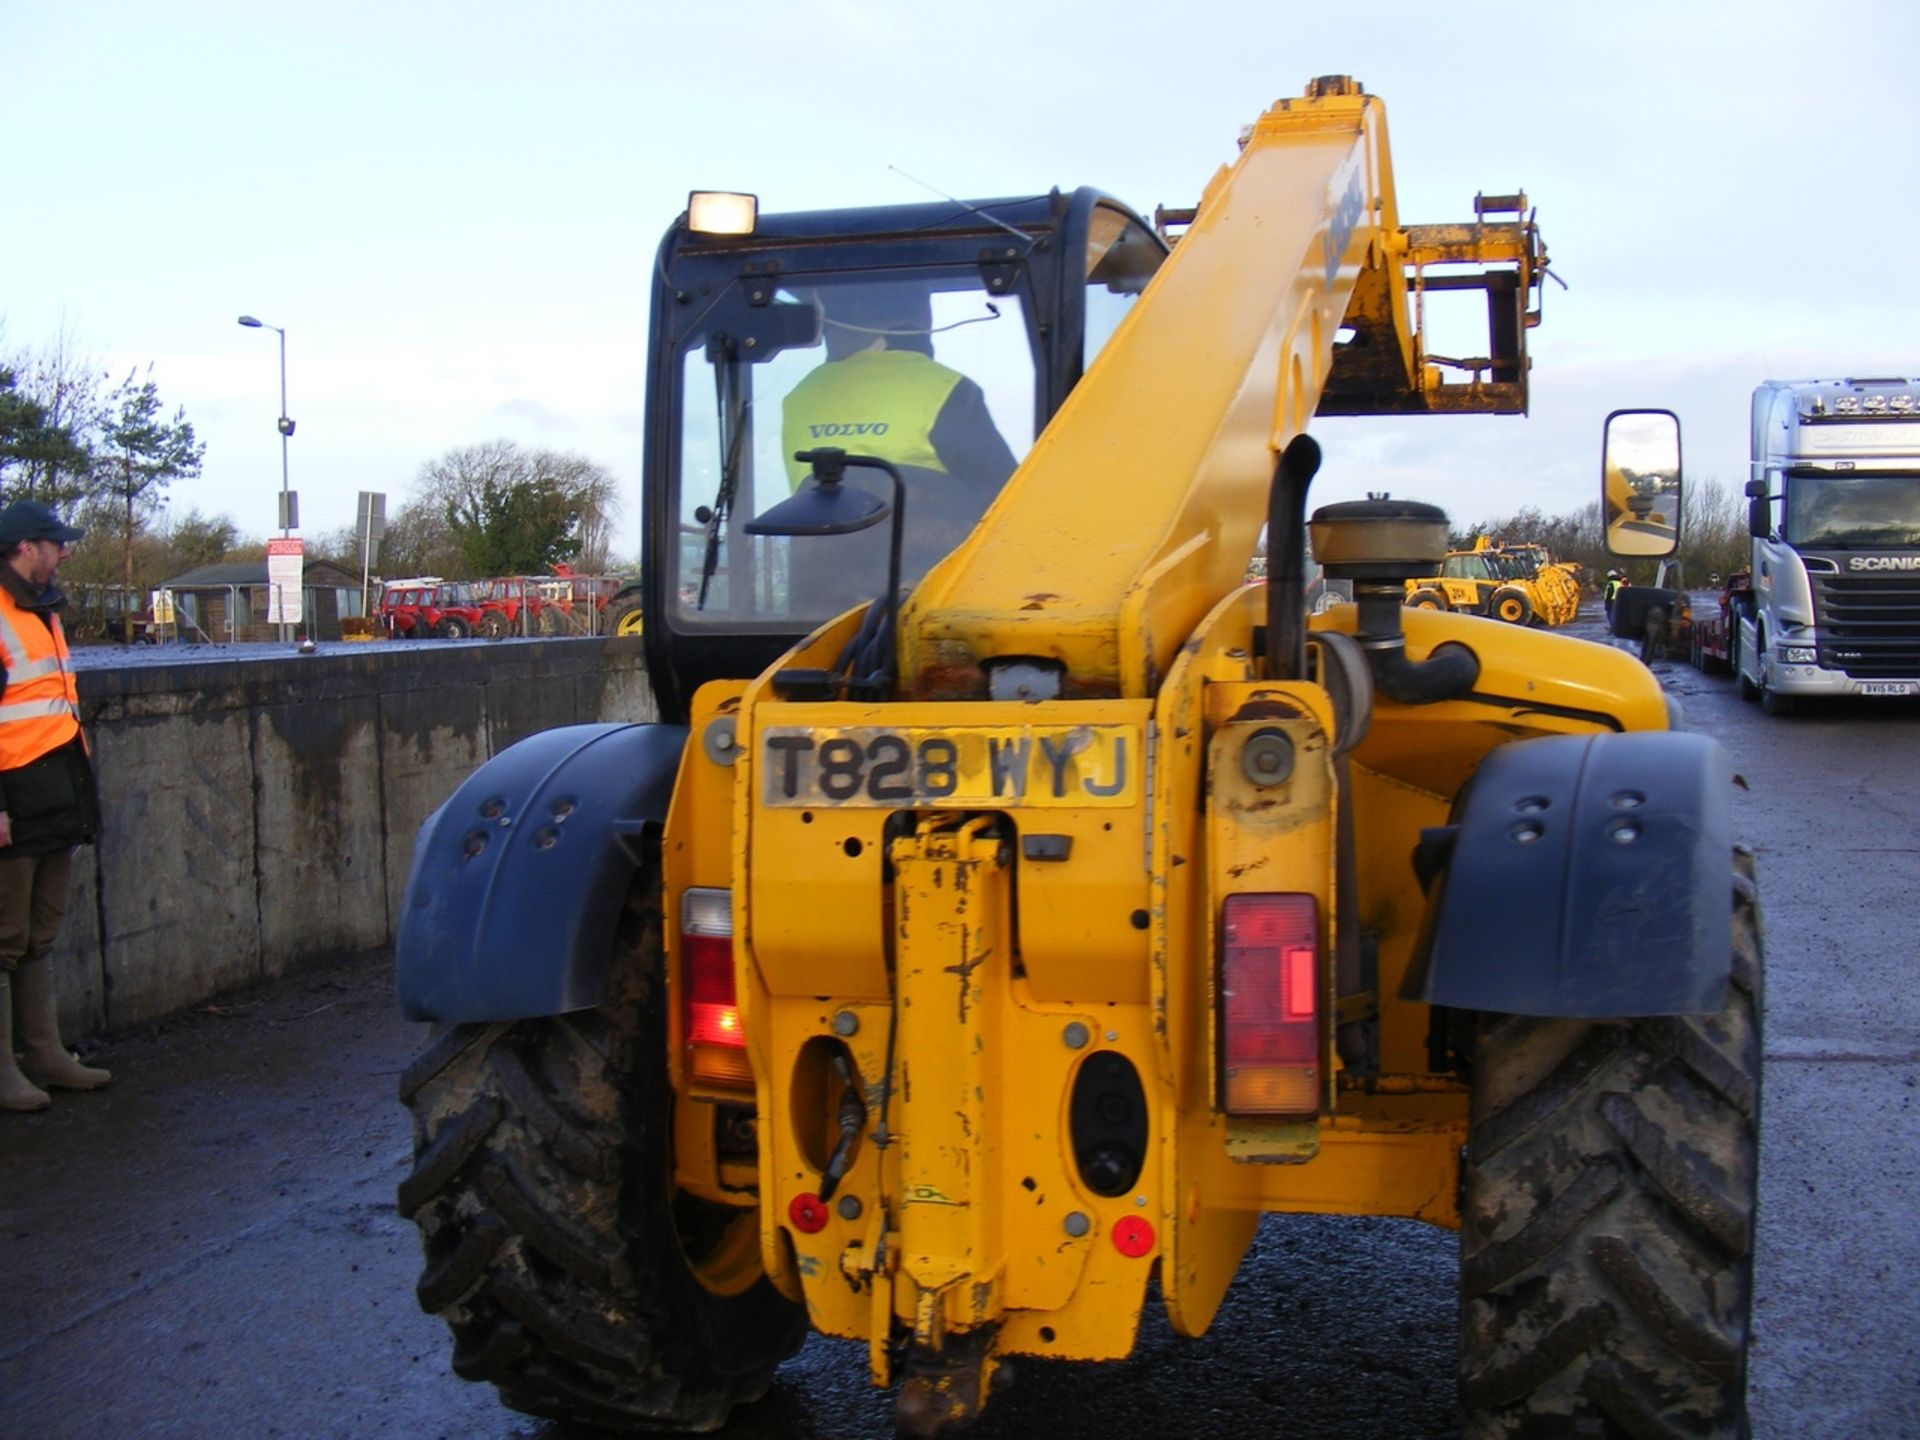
{"type": "Point", "coordinates": [30, 520]}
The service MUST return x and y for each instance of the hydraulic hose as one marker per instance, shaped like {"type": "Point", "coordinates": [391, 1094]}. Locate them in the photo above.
{"type": "Point", "coordinates": [1449, 672]}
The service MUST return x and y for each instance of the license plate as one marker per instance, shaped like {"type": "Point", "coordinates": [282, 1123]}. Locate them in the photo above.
{"type": "Point", "coordinates": [1886, 687]}
{"type": "Point", "coordinates": [873, 765]}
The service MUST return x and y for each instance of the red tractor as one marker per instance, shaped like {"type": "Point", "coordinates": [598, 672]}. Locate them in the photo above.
{"type": "Point", "coordinates": [511, 605]}
{"type": "Point", "coordinates": [456, 610]}
{"type": "Point", "coordinates": [405, 606]}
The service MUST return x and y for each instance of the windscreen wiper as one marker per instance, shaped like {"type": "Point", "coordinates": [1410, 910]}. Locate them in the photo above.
{"type": "Point", "coordinates": [723, 355]}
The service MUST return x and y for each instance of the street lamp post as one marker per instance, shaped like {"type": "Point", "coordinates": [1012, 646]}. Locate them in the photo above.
{"type": "Point", "coordinates": [286, 433]}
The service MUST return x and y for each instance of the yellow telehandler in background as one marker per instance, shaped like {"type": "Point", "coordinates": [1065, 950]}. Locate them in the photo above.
{"type": "Point", "coordinates": [1519, 584]}
{"type": "Point", "coordinates": [1013, 903]}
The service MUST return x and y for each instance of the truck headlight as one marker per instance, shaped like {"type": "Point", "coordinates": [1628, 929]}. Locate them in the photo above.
{"type": "Point", "coordinates": [1799, 655]}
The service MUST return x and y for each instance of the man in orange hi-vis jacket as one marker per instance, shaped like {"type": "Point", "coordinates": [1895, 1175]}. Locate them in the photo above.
{"type": "Point", "coordinates": [48, 802]}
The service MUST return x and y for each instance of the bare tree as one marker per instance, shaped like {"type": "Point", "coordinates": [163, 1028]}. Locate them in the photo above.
{"type": "Point", "coordinates": [1714, 528]}
{"type": "Point", "coordinates": [494, 508]}
{"type": "Point", "coordinates": [69, 387]}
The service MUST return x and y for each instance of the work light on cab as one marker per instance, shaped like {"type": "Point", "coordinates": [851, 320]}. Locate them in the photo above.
{"type": "Point", "coordinates": [722, 212]}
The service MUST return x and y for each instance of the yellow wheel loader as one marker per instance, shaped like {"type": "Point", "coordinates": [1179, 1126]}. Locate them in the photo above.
{"type": "Point", "coordinates": [1013, 904]}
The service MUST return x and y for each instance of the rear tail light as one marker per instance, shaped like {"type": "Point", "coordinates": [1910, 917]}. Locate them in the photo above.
{"type": "Point", "coordinates": [716, 1047]}
{"type": "Point", "coordinates": [1270, 1004]}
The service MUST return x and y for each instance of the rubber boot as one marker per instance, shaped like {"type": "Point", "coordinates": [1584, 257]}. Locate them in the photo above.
{"type": "Point", "coordinates": [16, 1091]}
{"type": "Point", "coordinates": [46, 1059]}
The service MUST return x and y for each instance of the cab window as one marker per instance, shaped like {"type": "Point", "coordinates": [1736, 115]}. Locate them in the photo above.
{"type": "Point", "coordinates": [922, 369]}
{"type": "Point", "coordinates": [1122, 256]}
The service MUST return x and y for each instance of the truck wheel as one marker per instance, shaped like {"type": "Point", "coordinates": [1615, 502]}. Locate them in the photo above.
{"type": "Point", "coordinates": [455, 628]}
{"type": "Point", "coordinates": [1771, 700]}
{"type": "Point", "coordinates": [1606, 1242]}
{"type": "Point", "coordinates": [624, 616]}
{"type": "Point", "coordinates": [1427, 600]}
{"type": "Point", "coordinates": [493, 625]}
{"type": "Point", "coordinates": [571, 1272]}
{"type": "Point", "coordinates": [1511, 605]}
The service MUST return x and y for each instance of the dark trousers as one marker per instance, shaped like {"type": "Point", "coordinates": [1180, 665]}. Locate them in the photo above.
{"type": "Point", "coordinates": [33, 905]}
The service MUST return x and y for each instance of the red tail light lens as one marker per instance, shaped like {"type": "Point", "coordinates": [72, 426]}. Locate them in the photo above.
{"type": "Point", "coordinates": [1270, 1004]}
{"type": "Point", "coordinates": [716, 1047]}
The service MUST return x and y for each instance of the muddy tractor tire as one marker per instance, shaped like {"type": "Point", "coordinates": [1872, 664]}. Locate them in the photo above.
{"type": "Point", "coordinates": [624, 616]}
{"type": "Point", "coordinates": [1511, 605]}
{"type": "Point", "coordinates": [1607, 1226]}
{"type": "Point", "coordinates": [573, 1275]}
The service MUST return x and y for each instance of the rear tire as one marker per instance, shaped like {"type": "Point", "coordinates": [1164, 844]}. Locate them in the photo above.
{"type": "Point", "coordinates": [572, 1274]}
{"type": "Point", "coordinates": [1606, 1243]}
{"type": "Point", "coordinates": [1512, 606]}
{"type": "Point", "coordinates": [625, 616]}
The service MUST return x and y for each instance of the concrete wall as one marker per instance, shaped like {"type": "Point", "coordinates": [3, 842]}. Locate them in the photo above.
{"type": "Point", "coordinates": [260, 814]}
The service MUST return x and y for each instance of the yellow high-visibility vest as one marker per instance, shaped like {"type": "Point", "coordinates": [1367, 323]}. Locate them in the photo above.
{"type": "Point", "coordinates": [877, 402]}
{"type": "Point", "coordinates": [40, 708]}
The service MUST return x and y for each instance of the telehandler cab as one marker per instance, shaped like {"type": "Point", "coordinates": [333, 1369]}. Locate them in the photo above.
{"type": "Point", "coordinates": [1012, 904]}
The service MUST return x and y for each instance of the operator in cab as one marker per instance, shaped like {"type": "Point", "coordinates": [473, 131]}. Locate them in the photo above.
{"type": "Point", "coordinates": [880, 392]}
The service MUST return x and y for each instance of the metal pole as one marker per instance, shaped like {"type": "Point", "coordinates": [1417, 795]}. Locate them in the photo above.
{"type": "Point", "coordinates": [286, 513]}
{"type": "Point", "coordinates": [285, 528]}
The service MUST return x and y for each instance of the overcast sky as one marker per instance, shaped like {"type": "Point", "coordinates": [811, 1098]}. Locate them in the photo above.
{"type": "Point", "coordinates": [452, 208]}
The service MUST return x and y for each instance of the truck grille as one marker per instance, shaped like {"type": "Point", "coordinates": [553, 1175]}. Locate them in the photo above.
{"type": "Point", "coordinates": [1869, 625]}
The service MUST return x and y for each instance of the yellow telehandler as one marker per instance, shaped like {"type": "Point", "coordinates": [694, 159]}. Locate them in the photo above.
{"type": "Point", "coordinates": [1013, 903]}
{"type": "Point", "coordinates": [1519, 584]}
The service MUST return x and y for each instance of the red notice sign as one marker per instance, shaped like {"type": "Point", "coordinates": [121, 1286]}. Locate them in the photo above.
{"type": "Point", "coordinates": [285, 565]}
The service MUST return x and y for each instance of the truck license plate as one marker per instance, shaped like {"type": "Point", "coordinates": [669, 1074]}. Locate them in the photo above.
{"type": "Point", "coordinates": [871, 765]}
{"type": "Point", "coordinates": [1886, 687]}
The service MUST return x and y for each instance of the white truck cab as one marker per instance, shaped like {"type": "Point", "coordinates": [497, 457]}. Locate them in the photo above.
{"type": "Point", "coordinates": [1834, 512]}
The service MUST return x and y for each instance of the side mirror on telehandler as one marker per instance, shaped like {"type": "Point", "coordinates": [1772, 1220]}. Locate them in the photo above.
{"type": "Point", "coordinates": [1640, 483]}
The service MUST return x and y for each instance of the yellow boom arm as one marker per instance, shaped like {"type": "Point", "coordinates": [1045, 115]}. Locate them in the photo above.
{"type": "Point", "coordinates": [1141, 503]}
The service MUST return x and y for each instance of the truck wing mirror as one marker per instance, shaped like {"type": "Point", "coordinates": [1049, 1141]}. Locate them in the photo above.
{"type": "Point", "coordinates": [1640, 482]}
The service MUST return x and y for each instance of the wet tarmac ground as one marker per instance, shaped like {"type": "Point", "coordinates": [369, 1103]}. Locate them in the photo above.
{"type": "Point", "coordinates": [210, 1247]}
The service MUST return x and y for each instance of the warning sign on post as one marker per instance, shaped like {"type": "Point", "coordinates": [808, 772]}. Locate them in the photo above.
{"type": "Point", "coordinates": [284, 574]}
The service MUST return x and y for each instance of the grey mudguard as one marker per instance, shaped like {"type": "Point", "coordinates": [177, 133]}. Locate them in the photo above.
{"type": "Point", "coordinates": [519, 879]}
{"type": "Point", "coordinates": [1584, 876]}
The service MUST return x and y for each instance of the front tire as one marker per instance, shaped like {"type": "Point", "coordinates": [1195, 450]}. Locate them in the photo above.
{"type": "Point", "coordinates": [494, 625]}
{"type": "Point", "coordinates": [1511, 606]}
{"type": "Point", "coordinates": [454, 627]}
{"type": "Point", "coordinates": [573, 1275]}
{"type": "Point", "coordinates": [1606, 1243]}
{"type": "Point", "coordinates": [1771, 700]}
{"type": "Point", "coordinates": [1424, 599]}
